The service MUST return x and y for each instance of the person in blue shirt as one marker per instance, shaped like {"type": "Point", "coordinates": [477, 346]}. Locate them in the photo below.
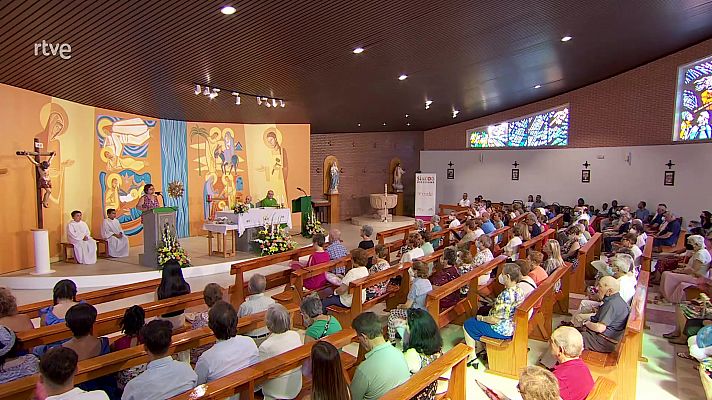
{"type": "Point", "coordinates": [642, 213]}
{"type": "Point", "coordinates": [670, 233]}
{"type": "Point", "coordinates": [487, 225]}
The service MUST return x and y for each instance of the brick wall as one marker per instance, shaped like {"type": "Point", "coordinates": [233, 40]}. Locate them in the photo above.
{"type": "Point", "coordinates": [631, 109]}
{"type": "Point", "coordinates": [364, 159]}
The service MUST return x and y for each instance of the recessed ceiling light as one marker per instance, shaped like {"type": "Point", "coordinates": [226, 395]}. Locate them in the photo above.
{"type": "Point", "coordinates": [537, 86]}
{"type": "Point", "coordinates": [407, 115]}
{"type": "Point", "coordinates": [454, 113]}
{"type": "Point", "coordinates": [566, 38]}
{"type": "Point", "coordinates": [408, 124]}
{"type": "Point", "coordinates": [428, 103]}
{"type": "Point", "coordinates": [359, 124]}
{"type": "Point", "coordinates": [228, 10]}
{"type": "Point", "coordinates": [384, 124]}
{"type": "Point", "coordinates": [402, 77]}
{"type": "Point", "coordinates": [358, 50]}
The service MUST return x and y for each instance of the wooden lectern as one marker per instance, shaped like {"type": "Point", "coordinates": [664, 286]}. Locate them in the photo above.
{"type": "Point", "coordinates": [303, 205]}
{"type": "Point", "coordinates": [153, 223]}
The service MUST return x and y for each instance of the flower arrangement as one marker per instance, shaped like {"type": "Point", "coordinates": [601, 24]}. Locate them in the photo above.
{"type": "Point", "coordinates": [175, 189]}
{"type": "Point", "coordinates": [272, 239]}
{"type": "Point", "coordinates": [313, 226]}
{"type": "Point", "coordinates": [241, 208]}
{"type": "Point", "coordinates": [170, 249]}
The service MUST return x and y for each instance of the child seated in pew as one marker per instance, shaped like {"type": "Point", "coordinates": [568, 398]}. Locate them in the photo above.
{"type": "Point", "coordinates": [256, 302]}
{"type": "Point", "coordinates": [328, 378]}
{"type": "Point", "coordinates": [9, 317]}
{"type": "Point", "coordinates": [163, 377]}
{"type": "Point", "coordinates": [342, 297]}
{"type": "Point", "coordinates": [211, 295]}
{"type": "Point", "coordinates": [499, 323]}
{"type": "Point", "coordinates": [320, 256]}
{"type": "Point", "coordinates": [64, 296]}
{"type": "Point", "coordinates": [134, 319]}
{"type": "Point", "coordinates": [419, 289]}
{"type": "Point", "coordinates": [379, 264]}
{"type": "Point", "coordinates": [57, 369]}
{"type": "Point", "coordinates": [553, 256]}
{"type": "Point", "coordinates": [80, 319]}
{"type": "Point", "coordinates": [537, 273]}
{"type": "Point", "coordinates": [13, 364]}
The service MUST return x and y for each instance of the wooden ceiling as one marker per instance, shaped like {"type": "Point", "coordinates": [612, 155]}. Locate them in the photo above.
{"type": "Point", "coordinates": [478, 57]}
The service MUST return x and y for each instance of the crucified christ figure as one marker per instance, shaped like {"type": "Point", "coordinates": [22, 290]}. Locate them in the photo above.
{"type": "Point", "coordinates": [43, 171]}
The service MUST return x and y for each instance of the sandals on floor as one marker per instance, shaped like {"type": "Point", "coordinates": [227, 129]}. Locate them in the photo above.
{"type": "Point", "coordinates": [686, 356]}
{"type": "Point", "coordinates": [671, 335]}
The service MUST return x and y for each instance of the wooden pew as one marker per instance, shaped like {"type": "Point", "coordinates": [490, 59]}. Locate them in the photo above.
{"type": "Point", "coordinates": [97, 296]}
{"type": "Point", "coordinates": [509, 357]}
{"type": "Point", "coordinates": [557, 222]}
{"type": "Point", "coordinates": [621, 366]}
{"type": "Point", "coordinates": [22, 389]}
{"type": "Point", "coordinates": [505, 234]}
{"type": "Point", "coordinates": [513, 221]}
{"type": "Point", "coordinates": [646, 259]}
{"type": "Point", "coordinates": [455, 360]}
{"type": "Point", "coordinates": [444, 209]}
{"type": "Point", "coordinates": [467, 306]}
{"type": "Point", "coordinates": [535, 243]}
{"type": "Point", "coordinates": [295, 291]}
{"type": "Point", "coordinates": [238, 290]}
{"type": "Point", "coordinates": [246, 380]}
{"type": "Point", "coordinates": [107, 322]}
{"type": "Point", "coordinates": [679, 246]}
{"type": "Point", "coordinates": [393, 296]}
{"type": "Point", "coordinates": [586, 254]}
{"type": "Point", "coordinates": [603, 389]}
{"type": "Point", "coordinates": [403, 231]}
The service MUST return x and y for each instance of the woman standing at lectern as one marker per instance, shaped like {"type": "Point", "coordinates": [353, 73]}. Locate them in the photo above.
{"type": "Point", "coordinates": [149, 200]}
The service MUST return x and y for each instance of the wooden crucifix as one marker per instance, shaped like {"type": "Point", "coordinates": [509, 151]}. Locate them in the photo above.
{"type": "Point", "coordinates": [42, 180]}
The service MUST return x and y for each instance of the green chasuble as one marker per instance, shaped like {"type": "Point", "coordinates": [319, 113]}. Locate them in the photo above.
{"type": "Point", "coordinates": [266, 202]}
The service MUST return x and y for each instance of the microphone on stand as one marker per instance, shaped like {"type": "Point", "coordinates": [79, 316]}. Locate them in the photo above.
{"type": "Point", "coordinates": [159, 194]}
{"type": "Point", "coordinates": [302, 190]}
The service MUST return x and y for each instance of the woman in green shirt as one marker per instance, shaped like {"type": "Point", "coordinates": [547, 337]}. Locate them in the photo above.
{"type": "Point", "coordinates": [318, 324]}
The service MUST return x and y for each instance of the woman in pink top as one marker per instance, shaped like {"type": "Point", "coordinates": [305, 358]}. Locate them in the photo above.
{"type": "Point", "coordinates": [537, 273]}
{"type": "Point", "coordinates": [318, 257]}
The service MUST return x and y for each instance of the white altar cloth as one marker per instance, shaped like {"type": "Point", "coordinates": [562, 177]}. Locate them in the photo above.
{"type": "Point", "coordinates": [257, 217]}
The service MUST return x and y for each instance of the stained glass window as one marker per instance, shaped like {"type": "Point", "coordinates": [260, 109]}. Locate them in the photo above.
{"type": "Point", "coordinates": [693, 104]}
{"type": "Point", "coordinates": [548, 128]}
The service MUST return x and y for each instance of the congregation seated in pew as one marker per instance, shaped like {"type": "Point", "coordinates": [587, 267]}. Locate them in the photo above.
{"type": "Point", "coordinates": [319, 256]}
{"type": "Point", "coordinates": [64, 296]}
{"type": "Point", "coordinates": [674, 282]}
{"type": "Point", "coordinates": [520, 234]}
{"type": "Point", "coordinates": [255, 303]}
{"type": "Point", "coordinates": [212, 293]}
{"type": "Point", "coordinates": [342, 297]}
{"type": "Point", "coordinates": [384, 367]}
{"type": "Point", "coordinates": [281, 339]}
{"type": "Point", "coordinates": [422, 344]}
{"type": "Point", "coordinates": [419, 289]}
{"type": "Point", "coordinates": [231, 352]}
{"type": "Point", "coordinates": [605, 328]}
{"type": "Point", "coordinates": [379, 264]}
{"type": "Point", "coordinates": [13, 363]}
{"type": "Point", "coordinates": [117, 242]}
{"type": "Point", "coordinates": [318, 324]}
{"type": "Point", "coordinates": [336, 249]}
{"type": "Point", "coordinates": [57, 369]}
{"type": "Point", "coordinates": [574, 378]}
{"type": "Point", "coordinates": [163, 377]}
{"type": "Point", "coordinates": [131, 324]}
{"type": "Point", "coordinates": [328, 378]}
{"type": "Point", "coordinates": [173, 284]}
{"type": "Point", "coordinates": [9, 316]}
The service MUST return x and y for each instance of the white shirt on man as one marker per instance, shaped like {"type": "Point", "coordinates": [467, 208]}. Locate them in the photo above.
{"type": "Point", "coordinates": [226, 357]}
{"type": "Point", "coordinates": [636, 255]}
{"type": "Point", "coordinates": [116, 246]}
{"type": "Point", "coordinates": [289, 384]}
{"type": "Point", "coordinates": [79, 394]}
{"type": "Point", "coordinates": [254, 304]}
{"type": "Point", "coordinates": [464, 203]}
{"type": "Point", "coordinates": [352, 275]}
{"type": "Point", "coordinates": [84, 250]}
{"type": "Point", "coordinates": [163, 378]}
{"type": "Point", "coordinates": [640, 241]}
{"type": "Point", "coordinates": [512, 247]}
{"type": "Point", "coordinates": [627, 284]}
{"type": "Point", "coordinates": [454, 223]}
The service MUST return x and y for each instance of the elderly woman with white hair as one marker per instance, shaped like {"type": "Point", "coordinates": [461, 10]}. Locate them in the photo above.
{"type": "Point", "coordinates": [673, 283]}
{"type": "Point", "coordinates": [281, 340]}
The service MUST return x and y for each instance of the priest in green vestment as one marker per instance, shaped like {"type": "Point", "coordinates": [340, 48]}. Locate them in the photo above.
{"type": "Point", "coordinates": [269, 201]}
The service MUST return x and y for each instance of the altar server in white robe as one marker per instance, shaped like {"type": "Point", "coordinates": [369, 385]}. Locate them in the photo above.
{"type": "Point", "coordinates": [116, 239]}
{"type": "Point", "coordinates": [79, 235]}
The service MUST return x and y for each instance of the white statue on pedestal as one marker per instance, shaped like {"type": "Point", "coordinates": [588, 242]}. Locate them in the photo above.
{"type": "Point", "coordinates": [398, 178]}
{"type": "Point", "coordinates": [334, 181]}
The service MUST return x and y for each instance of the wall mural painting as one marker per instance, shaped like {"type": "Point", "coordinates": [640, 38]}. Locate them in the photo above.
{"type": "Point", "coordinates": [123, 147]}
{"type": "Point", "coordinates": [271, 166]}
{"type": "Point", "coordinates": [694, 101]}
{"type": "Point", "coordinates": [218, 156]}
